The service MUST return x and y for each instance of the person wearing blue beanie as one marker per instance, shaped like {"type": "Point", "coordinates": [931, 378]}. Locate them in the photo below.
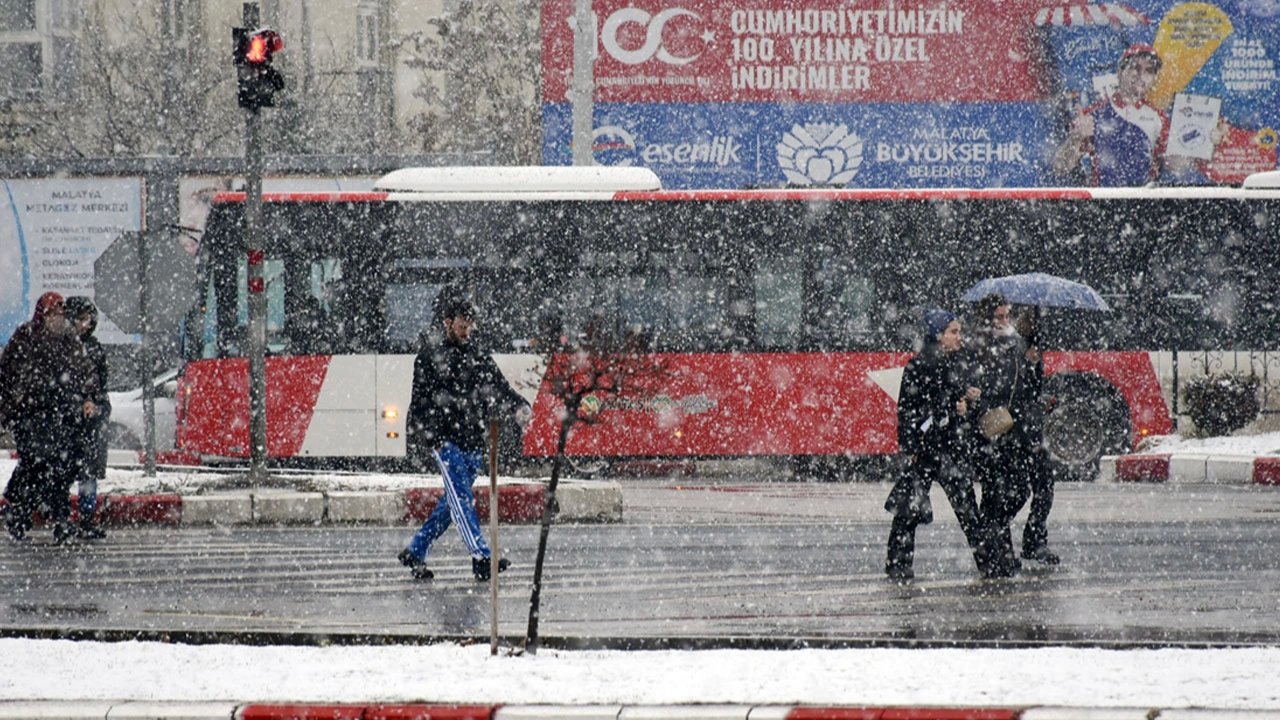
{"type": "Point", "coordinates": [936, 321]}
{"type": "Point", "coordinates": [934, 433]}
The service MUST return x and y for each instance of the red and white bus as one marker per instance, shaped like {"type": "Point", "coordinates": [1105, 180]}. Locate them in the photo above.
{"type": "Point", "coordinates": [784, 317]}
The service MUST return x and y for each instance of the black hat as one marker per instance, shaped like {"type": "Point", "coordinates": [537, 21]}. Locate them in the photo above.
{"type": "Point", "coordinates": [450, 306]}
{"type": "Point", "coordinates": [77, 306]}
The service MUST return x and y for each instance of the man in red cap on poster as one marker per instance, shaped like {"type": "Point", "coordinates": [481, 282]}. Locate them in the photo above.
{"type": "Point", "coordinates": [1123, 137]}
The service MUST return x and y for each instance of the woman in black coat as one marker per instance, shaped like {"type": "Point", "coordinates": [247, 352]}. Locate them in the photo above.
{"type": "Point", "coordinates": [91, 434]}
{"type": "Point", "coordinates": [933, 431]}
{"type": "Point", "coordinates": [46, 389]}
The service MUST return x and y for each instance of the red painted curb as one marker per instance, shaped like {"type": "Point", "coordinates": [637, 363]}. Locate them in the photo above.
{"type": "Point", "coordinates": [429, 712]}
{"type": "Point", "coordinates": [301, 712]}
{"type": "Point", "coordinates": [950, 714]}
{"type": "Point", "coordinates": [139, 509]}
{"type": "Point", "coordinates": [366, 712]}
{"type": "Point", "coordinates": [517, 504]}
{"type": "Point", "coordinates": [1142, 468]}
{"type": "Point", "coordinates": [1266, 471]}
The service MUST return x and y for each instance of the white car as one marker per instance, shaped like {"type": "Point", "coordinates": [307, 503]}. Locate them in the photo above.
{"type": "Point", "coordinates": [125, 428]}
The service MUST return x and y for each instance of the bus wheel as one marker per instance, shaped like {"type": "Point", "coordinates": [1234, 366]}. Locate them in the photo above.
{"type": "Point", "coordinates": [1086, 419]}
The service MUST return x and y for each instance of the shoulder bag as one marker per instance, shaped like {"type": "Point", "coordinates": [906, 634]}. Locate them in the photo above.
{"type": "Point", "coordinates": [998, 420]}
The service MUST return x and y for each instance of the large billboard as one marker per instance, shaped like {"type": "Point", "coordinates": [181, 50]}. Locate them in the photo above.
{"type": "Point", "coordinates": [51, 231]}
{"type": "Point", "coordinates": [742, 93]}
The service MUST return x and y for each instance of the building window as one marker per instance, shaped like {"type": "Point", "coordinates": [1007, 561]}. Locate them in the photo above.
{"type": "Point", "coordinates": [367, 34]}
{"type": "Point", "coordinates": [38, 48]}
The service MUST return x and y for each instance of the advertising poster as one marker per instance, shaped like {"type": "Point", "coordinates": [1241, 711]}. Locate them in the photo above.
{"type": "Point", "coordinates": [727, 93]}
{"type": "Point", "coordinates": [51, 231]}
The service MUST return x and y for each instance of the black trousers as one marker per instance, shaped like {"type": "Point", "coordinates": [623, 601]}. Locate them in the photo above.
{"type": "Point", "coordinates": [47, 467]}
{"type": "Point", "coordinates": [1035, 534]}
{"type": "Point", "coordinates": [1007, 469]}
{"type": "Point", "coordinates": [957, 483]}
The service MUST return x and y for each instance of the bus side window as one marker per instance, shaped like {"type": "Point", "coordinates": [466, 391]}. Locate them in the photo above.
{"type": "Point", "coordinates": [778, 302]}
{"type": "Point", "coordinates": [841, 304]}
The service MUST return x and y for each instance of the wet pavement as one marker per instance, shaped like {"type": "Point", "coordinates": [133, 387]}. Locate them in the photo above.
{"type": "Point", "coordinates": [694, 564]}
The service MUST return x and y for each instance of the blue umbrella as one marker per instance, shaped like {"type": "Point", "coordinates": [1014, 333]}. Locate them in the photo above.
{"type": "Point", "coordinates": [1039, 289]}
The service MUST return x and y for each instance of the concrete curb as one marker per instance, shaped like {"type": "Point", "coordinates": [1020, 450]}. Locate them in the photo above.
{"type": "Point", "coordinates": [1190, 468]}
{"type": "Point", "coordinates": [119, 710]}
{"type": "Point", "coordinates": [518, 504]}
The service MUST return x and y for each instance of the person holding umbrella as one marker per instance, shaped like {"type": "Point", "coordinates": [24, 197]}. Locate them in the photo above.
{"type": "Point", "coordinates": [1035, 534]}
{"type": "Point", "coordinates": [1009, 374]}
{"type": "Point", "coordinates": [1033, 291]}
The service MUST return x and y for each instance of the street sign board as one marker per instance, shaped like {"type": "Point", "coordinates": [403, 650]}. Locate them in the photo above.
{"type": "Point", "coordinates": [170, 282]}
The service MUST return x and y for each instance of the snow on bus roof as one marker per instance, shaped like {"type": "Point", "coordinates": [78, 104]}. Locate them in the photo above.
{"type": "Point", "coordinates": [508, 179]}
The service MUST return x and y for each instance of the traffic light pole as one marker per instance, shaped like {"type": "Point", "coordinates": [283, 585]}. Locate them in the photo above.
{"type": "Point", "coordinates": [257, 340]}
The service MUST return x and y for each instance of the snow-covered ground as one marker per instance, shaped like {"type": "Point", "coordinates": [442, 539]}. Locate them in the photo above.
{"type": "Point", "coordinates": [68, 670]}
{"type": "Point", "coordinates": [1242, 444]}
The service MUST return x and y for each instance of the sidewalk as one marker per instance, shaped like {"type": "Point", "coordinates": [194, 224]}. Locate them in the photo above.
{"type": "Point", "coordinates": [65, 710]}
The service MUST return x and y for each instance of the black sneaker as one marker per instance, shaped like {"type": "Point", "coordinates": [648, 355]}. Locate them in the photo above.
{"type": "Point", "coordinates": [480, 567]}
{"type": "Point", "coordinates": [62, 532]}
{"type": "Point", "coordinates": [899, 573]}
{"type": "Point", "coordinates": [415, 565]}
{"type": "Point", "coordinates": [1042, 554]}
{"type": "Point", "coordinates": [17, 527]}
{"type": "Point", "coordinates": [88, 531]}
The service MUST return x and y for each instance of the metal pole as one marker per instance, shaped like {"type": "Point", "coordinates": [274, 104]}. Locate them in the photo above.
{"type": "Point", "coordinates": [582, 89]}
{"type": "Point", "coordinates": [257, 340]}
{"type": "Point", "coordinates": [145, 358]}
{"type": "Point", "coordinates": [495, 557]}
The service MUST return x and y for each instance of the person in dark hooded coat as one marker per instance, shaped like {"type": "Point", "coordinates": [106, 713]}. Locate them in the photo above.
{"type": "Point", "coordinates": [91, 435]}
{"type": "Point", "coordinates": [46, 389]}
{"type": "Point", "coordinates": [1010, 373]}
{"type": "Point", "coordinates": [933, 431]}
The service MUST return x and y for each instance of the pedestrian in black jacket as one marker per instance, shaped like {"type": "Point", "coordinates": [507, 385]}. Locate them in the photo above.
{"type": "Point", "coordinates": [1031, 412]}
{"type": "Point", "coordinates": [46, 389]}
{"type": "Point", "coordinates": [91, 434]}
{"type": "Point", "coordinates": [933, 432]}
{"type": "Point", "coordinates": [456, 390]}
{"type": "Point", "coordinates": [1009, 373]}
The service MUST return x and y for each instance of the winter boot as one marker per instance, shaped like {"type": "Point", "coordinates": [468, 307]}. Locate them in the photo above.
{"type": "Point", "coordinates": [480, 567]}
{"type": "Point", "coordinates": [16, 525]}
{"type": "Point", "coordinates": [1041, 554]}
{"type": "Point", "coordinates": [902, 549]}
{"type": "Point", "coordinates": [62, 532]}
{"type": "Point", "coordinates": [87, 530]}
{"type": "Point", "coordinates": [415, 565]}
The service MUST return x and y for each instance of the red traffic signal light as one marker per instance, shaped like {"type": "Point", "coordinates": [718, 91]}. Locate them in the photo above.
{"type": "Point", "coordinates": [262, 45]}
{"type": "Point", "coordinates": [257, 81]}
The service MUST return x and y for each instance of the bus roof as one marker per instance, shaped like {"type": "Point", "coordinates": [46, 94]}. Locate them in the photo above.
{"type": "Point", "coordinates": [479, 184]}
{"type": "Point", "coordinates": [509, 179]}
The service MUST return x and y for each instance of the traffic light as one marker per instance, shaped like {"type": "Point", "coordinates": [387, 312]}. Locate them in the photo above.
{"type": "Point", "coordinates": [257, 81]}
